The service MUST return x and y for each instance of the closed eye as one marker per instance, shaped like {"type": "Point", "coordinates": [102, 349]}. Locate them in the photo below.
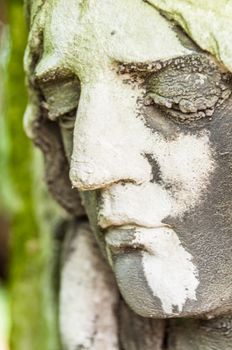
{"type": "Point", "coordinates": [188, 90]}
{"type": "Point", "coordinates": [61, 97]}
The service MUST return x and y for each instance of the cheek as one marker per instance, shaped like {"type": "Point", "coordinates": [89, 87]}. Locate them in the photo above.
{"type": "Point", "coordinates": [186, 165]}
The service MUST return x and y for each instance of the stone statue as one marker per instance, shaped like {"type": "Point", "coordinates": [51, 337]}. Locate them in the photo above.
{"type": "Point", "coordinates": [134, 120]}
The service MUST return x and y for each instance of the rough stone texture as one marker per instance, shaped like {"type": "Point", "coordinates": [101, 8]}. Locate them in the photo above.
{"type": "Point", "coordinates": [138, 333]}
{"type": "Point", "coordinates": [213, 334]}
{"type": "Point", "coordinates": [189, 87]}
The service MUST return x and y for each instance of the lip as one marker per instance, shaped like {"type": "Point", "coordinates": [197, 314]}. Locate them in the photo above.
{"type": "Point", "coordinates": [121, 239]}
{"type": "Point", "coordinates": [106, 223]}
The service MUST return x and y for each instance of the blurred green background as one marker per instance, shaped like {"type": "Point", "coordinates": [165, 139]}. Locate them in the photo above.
{"type": "Point", "coordinates": [28, 316]}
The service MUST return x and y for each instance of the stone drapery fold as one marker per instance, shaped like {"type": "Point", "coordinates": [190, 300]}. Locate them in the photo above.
{"type": "Point", "coordinates": [207, 22]}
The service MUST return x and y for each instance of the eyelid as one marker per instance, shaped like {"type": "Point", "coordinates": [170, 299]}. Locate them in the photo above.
{"type": "Point", "coordinates": [61, 97]}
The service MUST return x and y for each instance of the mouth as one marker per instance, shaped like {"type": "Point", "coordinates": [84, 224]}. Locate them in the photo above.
{"type": "Point", "coordinates": [122, 239]}
{"type": "Point", "coordinates": [125, 221]}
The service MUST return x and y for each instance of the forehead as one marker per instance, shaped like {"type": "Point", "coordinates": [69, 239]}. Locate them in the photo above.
{"type": "Point", "coordinates": [92, 33]}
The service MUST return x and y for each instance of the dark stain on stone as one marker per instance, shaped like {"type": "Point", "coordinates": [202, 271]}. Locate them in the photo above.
{"type": "Point", "coordinates": [156, 173]}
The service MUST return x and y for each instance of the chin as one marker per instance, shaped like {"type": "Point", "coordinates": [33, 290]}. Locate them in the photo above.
{"type": "Point", "coordinates": [137, 293]}
{"type": "Point", "coordinates": [167, 300]}
{"type": "Point", "coordinates": [155, 274]}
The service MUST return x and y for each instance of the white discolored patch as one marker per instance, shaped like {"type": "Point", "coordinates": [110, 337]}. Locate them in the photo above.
{"type": "Point", "coordinates": [186, 164]}
{"type": "Point", "coordinates": [144, 205]}
{"type": "Point", "coordinates": [168, 268]}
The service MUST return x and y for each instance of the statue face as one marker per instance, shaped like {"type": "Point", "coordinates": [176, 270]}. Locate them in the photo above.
{"type": "Point", "coordinates": [149, 151]}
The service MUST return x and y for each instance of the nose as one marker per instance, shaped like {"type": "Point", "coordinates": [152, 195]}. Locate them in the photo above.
{"type": "Point", "coordinates": [109, 141]}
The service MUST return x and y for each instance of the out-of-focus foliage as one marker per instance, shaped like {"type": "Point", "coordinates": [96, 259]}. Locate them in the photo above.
{"type": "Point", "coordinates": [6, 193]}
{"type": "Point", "coordinates": [33, 315]}
{"type": "Point", "coordinates": [4, 317]}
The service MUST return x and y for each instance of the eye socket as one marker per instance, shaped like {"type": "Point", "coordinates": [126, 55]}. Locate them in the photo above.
{"type": "Point", "coordinates": [187, 89]}
{"type": "Point", "coordinates": [61, 97]}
